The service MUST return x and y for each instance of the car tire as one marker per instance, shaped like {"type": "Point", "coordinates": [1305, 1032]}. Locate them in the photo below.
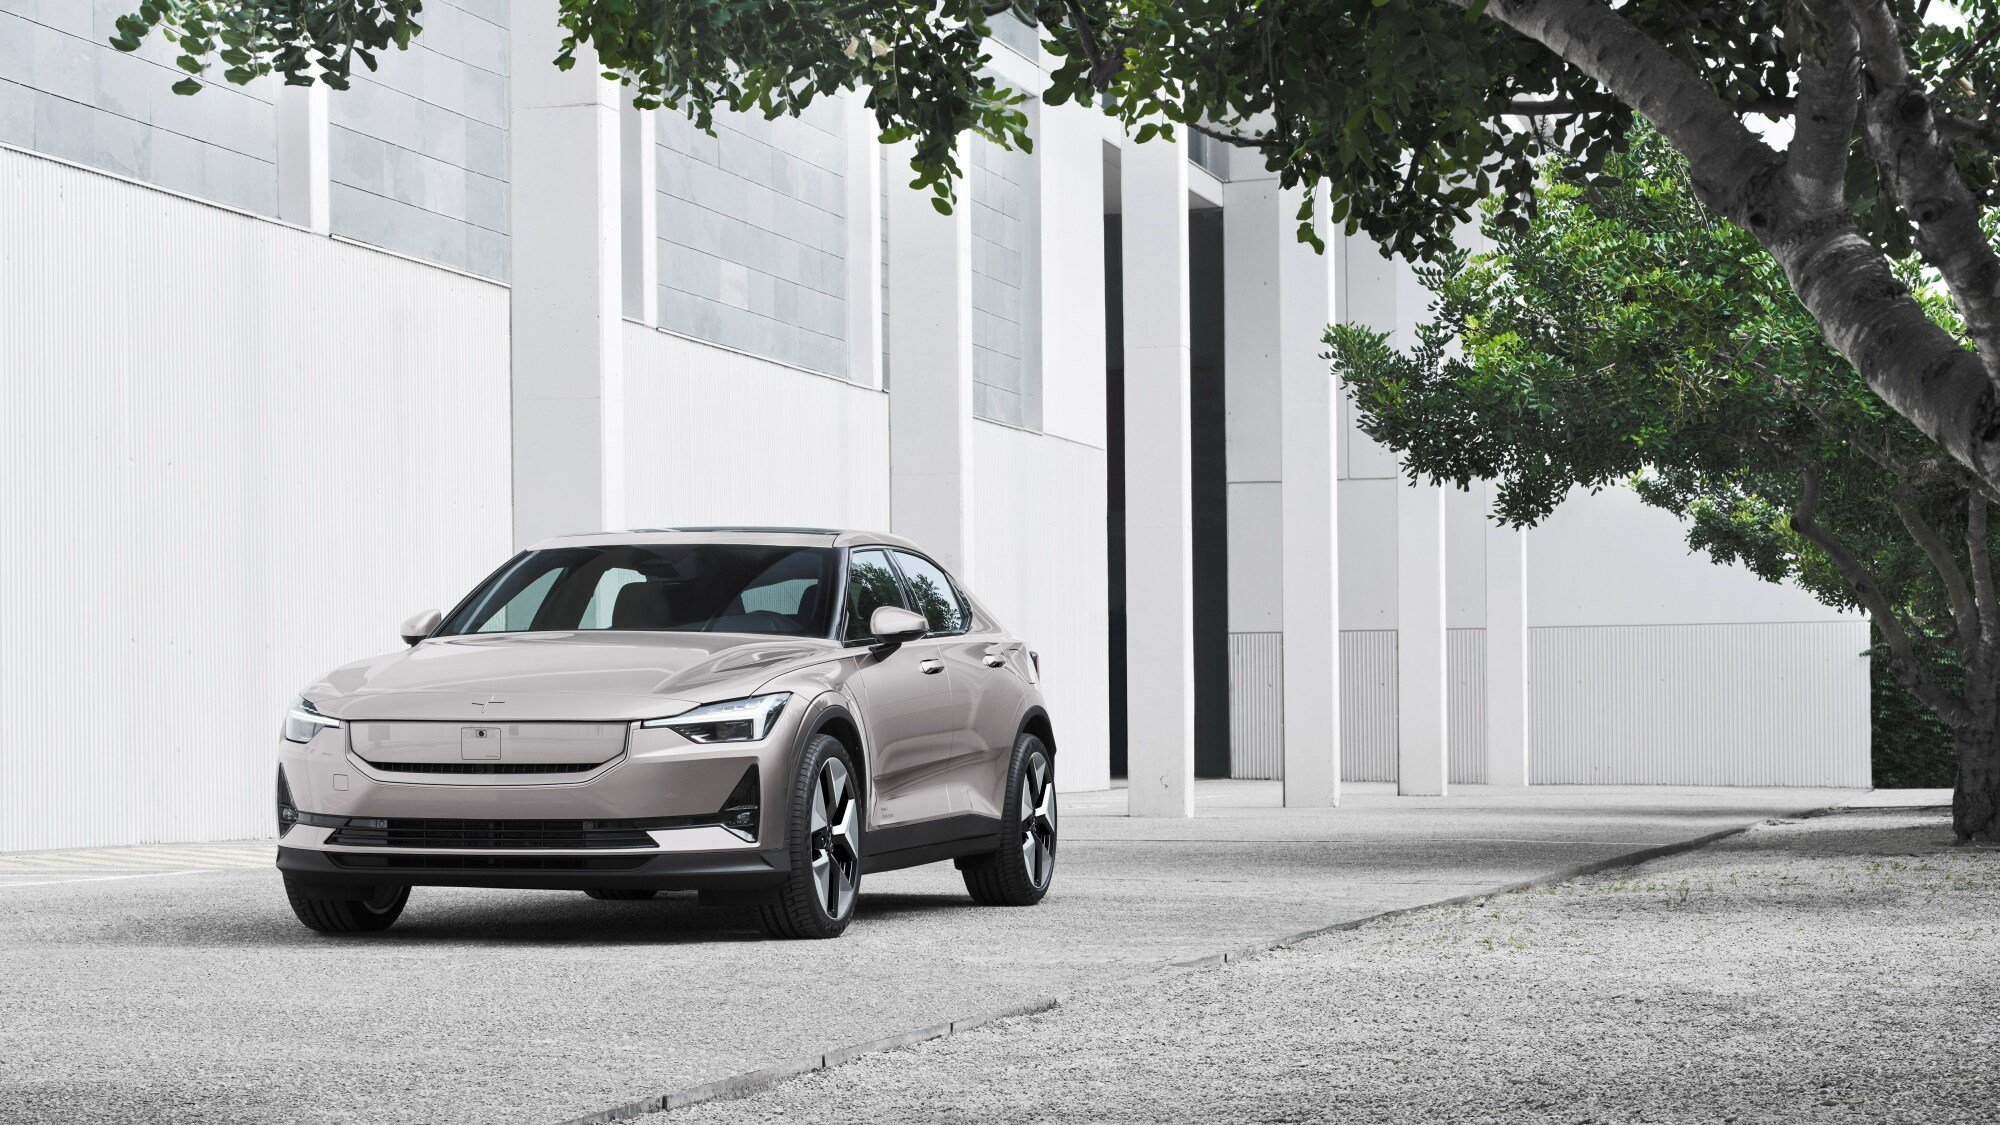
{"type": "Point", "coordinates": [347, 916]}
{"type": "Point", "coordinates": [1020, 873]}
{"type": "Point", "coordinates": [617, 894]}
{"type": "Point", "coordinates": [823, 841]}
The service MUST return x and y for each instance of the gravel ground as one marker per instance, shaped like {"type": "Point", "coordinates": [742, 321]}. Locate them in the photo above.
{"type": "Point", "coordinates": [153, 997]}
{"type": "Point", "coordinates": [1840, 968]}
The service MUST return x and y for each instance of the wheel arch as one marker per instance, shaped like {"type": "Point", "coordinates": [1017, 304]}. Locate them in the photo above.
{"type": "Point", "coordinates": [835, 719]}
{"type": "Point", "coordinates": [1036, 722]}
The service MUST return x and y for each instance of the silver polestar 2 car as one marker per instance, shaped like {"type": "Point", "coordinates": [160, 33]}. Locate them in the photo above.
{"type": "Point", "coordinates": [763, 715]}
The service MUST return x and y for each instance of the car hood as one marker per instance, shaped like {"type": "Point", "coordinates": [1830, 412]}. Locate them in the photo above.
{"type": "Point", "coordinates": [597, 675]}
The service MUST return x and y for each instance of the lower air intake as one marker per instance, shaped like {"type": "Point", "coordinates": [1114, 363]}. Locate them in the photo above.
{"type": "Point", "coordinates": [489, 835]}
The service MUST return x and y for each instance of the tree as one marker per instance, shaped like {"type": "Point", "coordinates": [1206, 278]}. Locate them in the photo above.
{"type": "Point", "coordinates": [1410, 111]}
{"type": "Point", "coordinates": [1628, 334]}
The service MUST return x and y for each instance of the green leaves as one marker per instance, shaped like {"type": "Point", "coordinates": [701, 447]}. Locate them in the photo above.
{"type": "Point", "coordinates": [302, 40]}
{"type": "Point", "coordinates": [1624, 334]}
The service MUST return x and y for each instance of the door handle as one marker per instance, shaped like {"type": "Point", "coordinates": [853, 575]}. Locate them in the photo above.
{"type": "Point", "coordinates": [994, 660]}
{"type": "Point", "coordinates": [930, 667]}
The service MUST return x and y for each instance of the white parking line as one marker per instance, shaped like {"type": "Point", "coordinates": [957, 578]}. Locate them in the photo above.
{"type": "Point", "coordinates": [107, 878]}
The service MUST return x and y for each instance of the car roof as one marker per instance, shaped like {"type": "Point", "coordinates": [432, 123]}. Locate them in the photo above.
{"type": "Point", "coordinates": [761, 536]}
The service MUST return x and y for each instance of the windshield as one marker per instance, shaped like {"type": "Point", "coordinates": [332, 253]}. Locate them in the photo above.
{"type": "Point", "coordinates": [684, 588]}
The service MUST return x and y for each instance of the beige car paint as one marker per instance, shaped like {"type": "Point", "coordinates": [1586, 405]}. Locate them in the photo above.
{"type": "Point", "coordinates": [919, 758]}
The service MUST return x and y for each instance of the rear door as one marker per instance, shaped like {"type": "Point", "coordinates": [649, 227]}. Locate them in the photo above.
{"type": "Point", "coordinates": [988, 684]}
{"type": "Point", "coordinates": [908, 706]}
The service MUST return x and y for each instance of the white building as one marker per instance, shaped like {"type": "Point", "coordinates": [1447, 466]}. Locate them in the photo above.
{"type": "Point", "coordinates": [279, 366]}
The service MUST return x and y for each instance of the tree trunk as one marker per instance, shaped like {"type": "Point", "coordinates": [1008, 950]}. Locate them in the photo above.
{"type": "Point", "coordinates": [1975, 803]}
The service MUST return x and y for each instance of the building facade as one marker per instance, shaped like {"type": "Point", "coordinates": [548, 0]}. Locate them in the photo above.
{"type": "Point", "coordinates": [279, 366]}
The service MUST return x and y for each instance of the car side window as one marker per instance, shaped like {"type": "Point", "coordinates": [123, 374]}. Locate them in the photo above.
{"type": "Point", "coordinates": [934, 595]}
{"type": "Point", "coordinates": [871, 584]}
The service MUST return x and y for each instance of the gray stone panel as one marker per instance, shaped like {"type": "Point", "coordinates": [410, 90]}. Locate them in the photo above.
{"type": "Point", "coordinates": [418, 150]}
{"type": "Point", "coordinates": [753, 234]}
{"type": "Point", "coordinates": [65, 91]}
{"type": "Point", "coordinates": [1003, 363]}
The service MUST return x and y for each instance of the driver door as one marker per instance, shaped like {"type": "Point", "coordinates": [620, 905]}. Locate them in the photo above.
{"type": "Point", "coordinates": [908, 707]}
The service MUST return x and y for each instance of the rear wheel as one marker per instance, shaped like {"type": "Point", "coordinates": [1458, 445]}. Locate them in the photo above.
{"type": "Point", "coordinates": [824, 834]}
{"type": "Point", "coordinates": [1019, 873]}
{"type": "Point", "coordinates": [617, 894]}
{"type": "Point", "coordinates": [378, 911]}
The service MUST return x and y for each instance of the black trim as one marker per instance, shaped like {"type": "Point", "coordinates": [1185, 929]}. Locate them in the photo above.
{"type": "Point", "coordinates": [1029, 716]}
{"type": "Point", "coordinates": [487, 767]}
{"type": "Point", "coordinates": [694, 871]}
{"type": "Point", "coordinates": [907, 845]}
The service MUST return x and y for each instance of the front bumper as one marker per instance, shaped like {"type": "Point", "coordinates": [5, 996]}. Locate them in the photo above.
{"type": "Point", "coordinates": [670, 871]}
{"type": "Point", "coordinates": [643, 820]}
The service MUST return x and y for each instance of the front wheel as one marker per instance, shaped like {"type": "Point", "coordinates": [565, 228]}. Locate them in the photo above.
{"type": "Point", "coordinates": [376, 912]}
{"type": "Point", "coordinates": [1019, 873]}
{"type": "Point", "coordinates": [824, 834]}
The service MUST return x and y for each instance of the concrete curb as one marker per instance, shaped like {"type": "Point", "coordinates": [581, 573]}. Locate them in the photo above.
{"type": "Point", "coordinates": [1628, 859]}
{"type": "Point", "coordinates": [743, 1085]}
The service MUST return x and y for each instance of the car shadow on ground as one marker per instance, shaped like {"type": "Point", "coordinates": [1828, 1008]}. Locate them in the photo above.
{"type": "Point", "coordinates": [440, 915]}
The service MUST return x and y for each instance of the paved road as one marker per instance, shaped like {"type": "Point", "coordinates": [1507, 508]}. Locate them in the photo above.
{"type": "Point", "coordinates": [134, 992]}
{"type": "Point", "coordinates": [1835, 969]}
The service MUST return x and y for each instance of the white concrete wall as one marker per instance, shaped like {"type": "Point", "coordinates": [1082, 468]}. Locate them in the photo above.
{"type": "Point", "coordinates": [1648, 663]}
{"type": "Point", "coordinates": [236, 455]}
{"type": "Point", "coordinates": [1627, 632]}
{"type": "Point", "coordinates": [1039, 565]}
{"type": "Point", "coordinates": [719, 437]}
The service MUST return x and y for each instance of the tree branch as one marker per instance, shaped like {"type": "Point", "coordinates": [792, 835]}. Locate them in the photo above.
{"type": "Point", "coordinates": [1864, 311]}
{"type": "Point", "coordinates": [1104, 65]}
{"type": "Point", "coordinates": [1240, 140]}
{"type": "Point", "coordinates": [1902, 657]}
{"type": "Point", "coordinates": [1902, 134]}
{"type": "Point", "coordinates": [1964, 609]}
{"type": "Point", "coordinates": [1829, 99]}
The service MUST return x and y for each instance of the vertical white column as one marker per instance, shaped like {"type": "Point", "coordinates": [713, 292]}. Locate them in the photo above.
{"type": "Point", "coordinates": [1507, 733]}
{"type": "Point", "coordinates": [930, 348]}
{"type": "Point", "coordinates": [640, 207]}
{"type": "Point", "coordinates": [1310, 429]}
{"type": "Point", "coordinates": [1253, 225]}
{"type": "Point", "coordinates": [864, 241]}
{"type": "Point", "coordinates": [1159, 538]}
{"type": "Point", "coordinates": [569, 393]}
{"type": "Point", "coordinates": [1422, 757]}
{"type": "Point", "coordinates": [304, 192]}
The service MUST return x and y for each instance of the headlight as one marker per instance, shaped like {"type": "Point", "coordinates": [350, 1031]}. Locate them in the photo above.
{"type": "Point", "coordinates": [303, 720]}
{"type": "Point", "coordinates": [738, 720]}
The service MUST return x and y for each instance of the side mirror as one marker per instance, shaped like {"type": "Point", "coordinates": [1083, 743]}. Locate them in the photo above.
{"type": "Point", "coordinates": [420, 625]}
{"type": "Point", "coordinates": [892, 625]}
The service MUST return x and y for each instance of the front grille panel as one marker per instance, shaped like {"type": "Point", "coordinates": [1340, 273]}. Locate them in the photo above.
{"type": "Point", "coordinates": [490, 862]}
{"type": "Point", "coordinates": [484, 767]}
{"type": "Point", "coordinates": [489, 835]}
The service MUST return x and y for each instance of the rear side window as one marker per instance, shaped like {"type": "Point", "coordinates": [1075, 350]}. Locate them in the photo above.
{"type": "Point", "coordinates": [871, 584]}
{"type": "Point", "coordinates": [933, 593]}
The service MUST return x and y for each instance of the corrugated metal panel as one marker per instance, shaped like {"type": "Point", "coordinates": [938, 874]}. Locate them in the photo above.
{"type": "Point", "coordinates": [235, 456]}
{"type": "Point", "coordinates": [1368, 705]}
{"type": "Point", "coordinates": [1752, 704]}
{"type": "Point", "coordinates": [1256, 705]}
{"type": "Point", "coordinates": [1465, 705]}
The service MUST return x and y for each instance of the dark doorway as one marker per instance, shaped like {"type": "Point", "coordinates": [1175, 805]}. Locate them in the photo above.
{"type": "Point", "coordinates": [1114, 458]}
{"type": "Point", "coordinates": [1208, 469]}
